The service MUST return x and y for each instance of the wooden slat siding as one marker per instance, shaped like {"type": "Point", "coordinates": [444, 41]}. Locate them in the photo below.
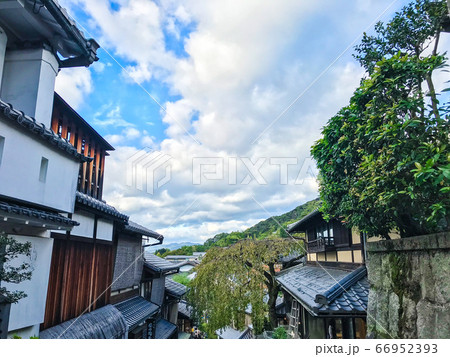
{"type": "Point", "coordinates": [76, 280]}
{"type": "Point", "coordinates": [97, 169]}
{"type": "Point", "coordinates": [89, 179]}
{"type": "Point", "coordinates": [101, 174]}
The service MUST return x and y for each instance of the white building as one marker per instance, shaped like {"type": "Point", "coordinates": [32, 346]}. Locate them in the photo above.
{"type": "Point", "coordinates": [38, 169]}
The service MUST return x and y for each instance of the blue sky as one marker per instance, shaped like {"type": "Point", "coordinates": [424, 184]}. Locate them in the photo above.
{"type": "Point", "coordinates": [223, 71]}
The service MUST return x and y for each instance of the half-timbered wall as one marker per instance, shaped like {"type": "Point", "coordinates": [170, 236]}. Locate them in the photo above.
{"type": "Point", "coordinates": [80, 279]}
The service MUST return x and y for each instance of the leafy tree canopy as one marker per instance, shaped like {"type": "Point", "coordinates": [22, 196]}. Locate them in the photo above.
{"type": "Point", "coordinates": [10, 249]}
{"type": "Point", "coordinates": [231, 279]}
{"type": "Point", "coordinates": [383, 159]}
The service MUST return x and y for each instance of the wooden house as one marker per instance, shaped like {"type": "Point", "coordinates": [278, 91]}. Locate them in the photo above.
{"type": "Point", "coordinates": [327, 297]}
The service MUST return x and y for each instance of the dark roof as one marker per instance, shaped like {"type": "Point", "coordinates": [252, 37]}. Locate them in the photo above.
{"type": "Point", "coordinates": [60, 101]}
{"type": "Point", "coordinates": [297, 226]}
{"type": "Point", "coordinates": [354, 299]}
{"type": "Point", "coordinates": [47, 135]}
{"type": "Point", "coordinates": [229, 333]}
{"type": "Point", "coordinates": [325, 290]}
{"type": "Point", "coordinates": [50, 219]}
{"type": "Point", "coordinates": [99, 206]}
{"type": "Point", "coordinates": [185, 309]}
{"type": "Point", "coordinates": [158, 264]}
{"type": "Point", "coordinates": [194, 263]}
{"type": "Point", "coordinates": [46, 21]}
{"type": "Point", "coordinates": [133, 227]}
{"type": "Point", "coordinates": [175, 289]}
{"type": "Point", "coordinates": [106, 322]}
{"type": "Point", "coordinates": [136, 310]}
{"type": "Point", "coordinates": [164, 329]}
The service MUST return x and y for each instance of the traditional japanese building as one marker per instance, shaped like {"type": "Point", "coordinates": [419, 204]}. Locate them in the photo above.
{"type": "Point", "coordinates": [38, 168]}
{"type": "Point", "coordinates": [160, 289]}
{"type": "Point", "coordinates": [140, 314]}
{"type": "Point", "coordinates": [327, 297]}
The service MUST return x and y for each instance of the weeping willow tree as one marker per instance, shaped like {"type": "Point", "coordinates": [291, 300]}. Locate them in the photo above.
{"type": "Point", "coordinates": [231, 279]}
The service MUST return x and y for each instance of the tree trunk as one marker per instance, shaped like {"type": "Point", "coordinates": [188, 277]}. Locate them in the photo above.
{"type": "Point", "coordinates": [273, 294]}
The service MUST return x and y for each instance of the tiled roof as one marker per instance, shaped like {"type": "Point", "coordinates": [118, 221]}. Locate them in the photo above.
{"type": "Point", "coordinates": [133, 227]}
{"type": "Point", "coordinates": [100, 206]}
{"type": "Point", "coordinates": [229, 333]}
{"type": "Point", "coordinates": [354, 299]}
{"type": "Point", "coordinates": [48, 218]}
{"type": "Point", "coordinates": [326, 290]}
{"type": "Point", "coordinates": [46, 134]}
{"type": "Point", "coordinates": [136, 310]}
{"type": "Point", "coordinates": [175, 289]}
{"type": "Point", "coordinates": [158, 264]}
{"type": "Point", "coordinates": [294, 226]}
{"type": "Point", "coordinates": [184, 309]}
{"type": "Point", "coordinates": [106, 322]}
{"type": "Point", "coordinates": [164, 329]}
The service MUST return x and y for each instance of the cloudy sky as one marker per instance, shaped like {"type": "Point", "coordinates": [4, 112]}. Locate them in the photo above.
{"type": "Point", "coordinates": [212, 106]}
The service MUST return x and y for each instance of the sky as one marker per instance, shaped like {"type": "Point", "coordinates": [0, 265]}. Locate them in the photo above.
{"type": "Point", "coordinates": [212, 106]}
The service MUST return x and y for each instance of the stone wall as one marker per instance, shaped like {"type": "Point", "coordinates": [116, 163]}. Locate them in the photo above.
{"type": "Point", "coordinates": [409, 287]}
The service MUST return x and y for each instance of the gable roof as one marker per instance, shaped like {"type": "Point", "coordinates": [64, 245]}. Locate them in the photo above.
{"type": "Point", "coordinates": [175, 289]}
{"type": "Point", "coordinates": [136, 310]}
{"type": "Point", "coordinates": [157, 264]}
{"type": "Point", "coordinates": [297, 226]}
{"type": "Point", "coordinates": [106, 322]}
{"type": "Point", "coordinates": [229, 333]}
{"type": "Point", "coordinates": [33, 127]}
{"type": "Point", "coordinates": [324, 290]}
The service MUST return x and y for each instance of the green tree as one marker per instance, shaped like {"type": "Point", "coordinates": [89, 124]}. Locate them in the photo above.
{"type": "Point", "coordinates": [11, 249]}
{"type": "Point", "coordinates": [383, 159]}
{"type": "Point", "coordinates": [230, 279]}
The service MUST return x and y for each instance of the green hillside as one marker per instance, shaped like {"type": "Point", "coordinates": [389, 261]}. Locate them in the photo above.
{"type": "Point", "coordinates": [261, 230]}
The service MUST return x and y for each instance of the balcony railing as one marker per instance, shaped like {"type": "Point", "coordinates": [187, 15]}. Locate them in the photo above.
{"type": "Point", "coordinates": [320, 245]}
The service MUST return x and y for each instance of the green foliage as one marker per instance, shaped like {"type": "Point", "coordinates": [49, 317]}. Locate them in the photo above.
{"type": "Point", "coordinates": [161, 252]}
{"type": "Point", "coordinates": [261, 230]}
{"type": "Point", "coordinates": [229, 279]}
{"type": "Point", "coordinates": [280, 333]}
{"type": "Point", "coordinates": [383, 159]}
{"type": "Point", "coordinates": [181, 278]}
{"type": "Point", "coordinates": [11, 249]}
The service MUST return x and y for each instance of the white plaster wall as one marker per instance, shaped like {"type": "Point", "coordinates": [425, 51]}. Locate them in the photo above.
{"type": "Point", "coordinates": [30, 311]}
{"type": "Point", "coordinates": [86, 227]}
{"type": "Point", "coordinates": [29, 82]}
{"type": "Point", "coordinates": [20, 166]}
{"type": "Point", "coordinates": [105, 230]}
{"type": "Point", "coordinates": [3, 41]}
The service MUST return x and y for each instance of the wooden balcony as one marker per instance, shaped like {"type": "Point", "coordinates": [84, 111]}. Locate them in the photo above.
{"type": "Point", "coordinates": [321, 245]}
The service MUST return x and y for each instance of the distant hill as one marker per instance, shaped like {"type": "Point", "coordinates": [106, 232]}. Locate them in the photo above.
{"type": "Point", "coordinates": [170, 246]}
{"type": "Point", "coordinates": [261, 230]}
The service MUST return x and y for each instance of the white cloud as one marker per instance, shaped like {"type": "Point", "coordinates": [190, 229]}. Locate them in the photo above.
{"type": "Point", "coordinates": [74, 84]}
{"type": "Point", "coordinates": [243, 63]}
